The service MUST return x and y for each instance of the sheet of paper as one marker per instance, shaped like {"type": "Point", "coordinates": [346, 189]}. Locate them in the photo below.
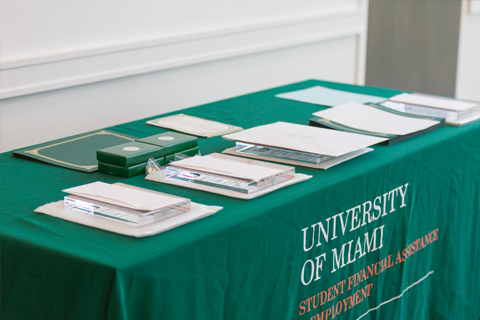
{"type": "Point", "coordinates": [434, 102]}
{"type": "Point", "coordinates": [230, 166]}
{"type": "Point", "coordinates": [122, 196]}
{"type": "Point", "coordinates": [305, 138]}
{"type": "Point", "coordinates": [197, 211]}
{"type": "Point", "coordinates": [360, 116]}
{"type": "Point", "coordinates": [328, 97]}
{"type": "Point", "coordinates": [194, 125]}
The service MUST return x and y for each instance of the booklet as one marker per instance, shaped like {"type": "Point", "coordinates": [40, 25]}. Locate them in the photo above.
{"type": "Point", "coordinates": [328, 97]}
{"type": "Point", "coordinates": [375, 121]}
{"type": "Point", "coordinates": [194, 125]}
{"type": "Point", "coordinates": [295, 140]}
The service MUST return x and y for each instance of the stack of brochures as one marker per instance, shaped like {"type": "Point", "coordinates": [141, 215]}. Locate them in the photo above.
{"type": "Point", "coordinates": [455, 112]}
{"type": "Point", "coordinates": [124, 203]}
{"type": "Point", "coordinates": [227, 172]}
{"type": "Point", "coordinates": [300, 145]}
{"type": "Point", "coordinates": [375, 120]}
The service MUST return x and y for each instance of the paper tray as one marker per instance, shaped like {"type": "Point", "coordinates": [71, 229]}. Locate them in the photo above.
{"type": "Point", "coordinates": [197, 211]}
{"type": "Point", "coordinates": [323, 165]}
{"type": "Point", "coordinates": [159, 176]}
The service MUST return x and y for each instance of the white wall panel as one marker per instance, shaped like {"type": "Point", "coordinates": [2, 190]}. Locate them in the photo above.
{"type": "Point", "coordinates": [101, 63]}
{"type": "Point", "coordinates": [41, 28]}
{"type": "Point", "coordinates": [468, 67]}
{"type": "Point", "coordinates": [54, 114]}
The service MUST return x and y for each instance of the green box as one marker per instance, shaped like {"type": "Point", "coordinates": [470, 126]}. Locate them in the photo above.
{"type": "Point", "coordinates": [126, 172]}
{"type": "Point", "coordinates": [172, 142]}
{"type": "Point", "coordinates": [129, 154]}
{"type": "Point", "coordinates": [190, 153]}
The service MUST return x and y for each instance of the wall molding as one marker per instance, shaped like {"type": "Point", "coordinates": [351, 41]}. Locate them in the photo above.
{"type": "Point", "coordinates": [27, 75]}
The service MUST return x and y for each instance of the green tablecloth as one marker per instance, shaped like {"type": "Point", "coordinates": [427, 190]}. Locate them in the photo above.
{"type": "Point", "coordinates": [389, 235]}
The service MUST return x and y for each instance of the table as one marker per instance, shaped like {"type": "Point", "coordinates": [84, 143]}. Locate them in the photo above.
{"type": "Point", "coordinates": [389, 235]}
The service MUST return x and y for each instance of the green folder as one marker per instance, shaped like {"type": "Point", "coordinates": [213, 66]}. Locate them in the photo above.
{"type": "Point", "coordinates": [77, 152]}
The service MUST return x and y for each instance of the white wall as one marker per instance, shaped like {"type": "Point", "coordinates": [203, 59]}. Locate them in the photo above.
{"type": "Point", "coordinates": [468, 66]}
{"type": "Point", "coordinates": [72, 66]}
